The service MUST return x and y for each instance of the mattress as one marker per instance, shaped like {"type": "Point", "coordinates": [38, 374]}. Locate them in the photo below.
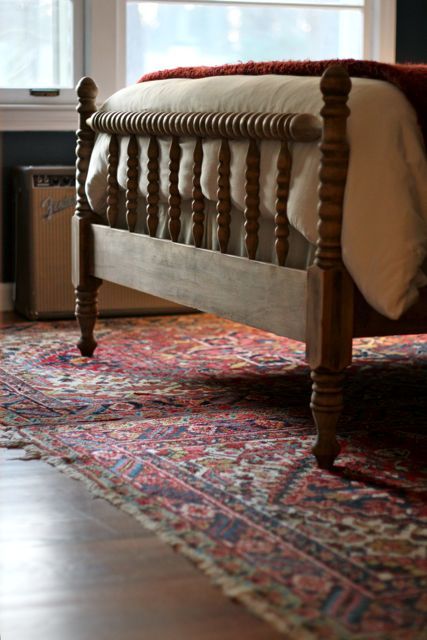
{"type": "Point", "coordinates": [384, 237]}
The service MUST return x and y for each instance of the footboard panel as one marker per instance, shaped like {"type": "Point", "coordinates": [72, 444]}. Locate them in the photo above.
{"type": "Point", "coordinates": [255, 293]}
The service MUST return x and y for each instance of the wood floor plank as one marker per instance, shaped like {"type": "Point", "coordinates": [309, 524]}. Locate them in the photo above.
{"type": "Point", "coordinates": [76, 568]}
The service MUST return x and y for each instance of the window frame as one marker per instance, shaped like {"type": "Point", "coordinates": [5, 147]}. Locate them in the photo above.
{"type": "Point", "coordinates": [380, 30]}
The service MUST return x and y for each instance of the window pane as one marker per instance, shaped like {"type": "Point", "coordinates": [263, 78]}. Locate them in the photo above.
{"type": "Point", "coordinates": [162, 35]}
{"type": "Point", "coordinates": [36, 43]}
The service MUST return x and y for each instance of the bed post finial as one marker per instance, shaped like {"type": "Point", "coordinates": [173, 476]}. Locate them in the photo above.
{"type": "Point", "coordinates": [87, 92]}
{"type": "Point", "coordinates": [86, 286]}
{"type": "Point", "coordinates": [330, 289]}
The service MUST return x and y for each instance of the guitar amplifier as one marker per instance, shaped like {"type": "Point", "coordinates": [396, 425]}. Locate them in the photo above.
{"type": "Point", "coordinates": [44, 204]}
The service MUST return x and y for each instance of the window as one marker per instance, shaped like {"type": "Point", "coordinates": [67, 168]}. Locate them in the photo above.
{"type": "Point", "coordinates": [168, 34]}
{"type": "Point", "coordinates": [39, 47]}
{"type": "Point", "coordinates": [146, 35]}
{"type": "Point", "coordinates": [51, 43]}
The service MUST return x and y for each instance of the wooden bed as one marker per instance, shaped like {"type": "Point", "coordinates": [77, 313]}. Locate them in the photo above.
{"type": "Point", "coordinates": [320, 305]}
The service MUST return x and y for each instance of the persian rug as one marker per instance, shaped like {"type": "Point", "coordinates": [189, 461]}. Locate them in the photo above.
{"type": "Point", "coordinates": [201, 429]}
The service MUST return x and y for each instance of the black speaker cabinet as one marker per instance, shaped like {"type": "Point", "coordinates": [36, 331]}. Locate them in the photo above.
{"type": "Point", "coordinates": [44, 205]}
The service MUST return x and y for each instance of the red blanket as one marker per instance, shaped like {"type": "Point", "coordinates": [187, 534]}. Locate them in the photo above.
{"type": "Point", "coordinates": [409, 78]}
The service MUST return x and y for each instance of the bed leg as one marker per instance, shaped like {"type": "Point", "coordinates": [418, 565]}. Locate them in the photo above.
{"type": "Point", "coordinates": [326, 405]}
{"type": "Point", "coordinates": [85, 285]}
{"type": "Point", "coordinates": [329, 352]}
{"type": "Point", "coordinates": [86, 314]}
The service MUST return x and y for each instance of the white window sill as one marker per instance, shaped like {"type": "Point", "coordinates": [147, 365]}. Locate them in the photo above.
{"type": "Point", "coordinates": [20, 117]}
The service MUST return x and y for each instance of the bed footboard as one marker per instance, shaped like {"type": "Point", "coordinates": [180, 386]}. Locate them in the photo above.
{"type": "Point", "coordinates": [315, 306]}
{"type": "Point", "coordinates": [279, 305]}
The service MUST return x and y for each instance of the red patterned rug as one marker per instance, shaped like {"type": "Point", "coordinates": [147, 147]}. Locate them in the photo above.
{"type": "Point", "coordinates": [200, 428]}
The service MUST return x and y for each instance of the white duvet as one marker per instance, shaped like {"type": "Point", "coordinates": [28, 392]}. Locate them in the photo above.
{"type": "Point", "coordinates": [384, 235]}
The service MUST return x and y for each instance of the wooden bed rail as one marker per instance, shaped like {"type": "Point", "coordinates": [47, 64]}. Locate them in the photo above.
{"type": "Point", "coordinates": [297, 127]}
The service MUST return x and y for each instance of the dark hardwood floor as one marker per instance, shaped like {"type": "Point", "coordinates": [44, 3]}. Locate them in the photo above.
{"type": "Point", "coordinates": [76, 568]}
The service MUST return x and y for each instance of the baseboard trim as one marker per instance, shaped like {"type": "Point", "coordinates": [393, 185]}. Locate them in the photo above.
{"type": "Point", "coordinates": [6, 300]}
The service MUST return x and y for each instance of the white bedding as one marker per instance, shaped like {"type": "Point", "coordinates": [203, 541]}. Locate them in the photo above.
{"type": "Point", "coordinates": [385, 210]}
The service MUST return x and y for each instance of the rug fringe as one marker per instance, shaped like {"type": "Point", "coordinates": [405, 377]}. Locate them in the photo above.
{"type": "Point", "coordinates": [14, 442]}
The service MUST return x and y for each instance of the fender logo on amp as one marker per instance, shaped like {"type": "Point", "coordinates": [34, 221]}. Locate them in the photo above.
{"type": "Point", "coordinates": [50, 206]}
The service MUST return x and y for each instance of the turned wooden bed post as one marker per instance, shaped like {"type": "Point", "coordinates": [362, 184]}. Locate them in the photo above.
{"type": "Point", "coordinates": [330, 288]}
{"type": "Point", "coordinates": [86, 286]}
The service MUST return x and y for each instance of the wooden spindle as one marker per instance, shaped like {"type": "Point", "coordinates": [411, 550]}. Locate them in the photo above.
{"type": "Point", "coordinates": [198, 202]}
{"type": "Point", "coordinates": [132, 183]}
{"type": "Point", "coordinates": [252, 199]}
{"type": "Point", "coordinates": [153, 186]}
{"type": "Point", "coordinates": [281, 231]}
{"type": "Point", "coordinates": [112, 184]}
{"type": "Point", "coordinates": [174, 195]}
{"type": "Point", "coordinates": [223, 206]}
